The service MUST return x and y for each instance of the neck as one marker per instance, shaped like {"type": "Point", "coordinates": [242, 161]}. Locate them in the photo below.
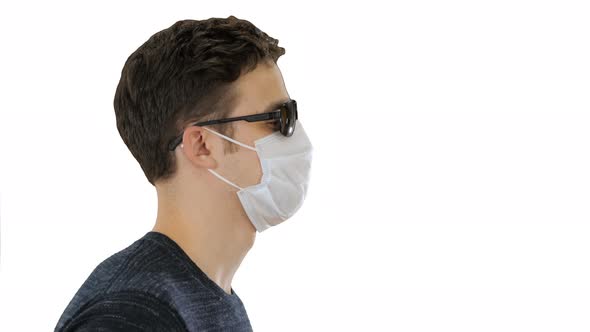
{"type": "Point", "coordinates": [216, 238]}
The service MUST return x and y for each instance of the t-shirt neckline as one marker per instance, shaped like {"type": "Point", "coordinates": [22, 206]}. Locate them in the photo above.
{"type": "Point", "coordinates": [172, 246]}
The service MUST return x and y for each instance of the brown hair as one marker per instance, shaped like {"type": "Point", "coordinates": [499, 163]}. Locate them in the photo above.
{"type": "Point", "coordinates": [184, 74]}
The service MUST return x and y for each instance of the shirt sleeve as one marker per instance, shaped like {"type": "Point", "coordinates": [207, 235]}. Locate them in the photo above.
{"type": "Point", "coordinates": [131, 311]}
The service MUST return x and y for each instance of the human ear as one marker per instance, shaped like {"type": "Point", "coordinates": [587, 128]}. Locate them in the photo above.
{"type": "Point", "coordinates": [197, 148]}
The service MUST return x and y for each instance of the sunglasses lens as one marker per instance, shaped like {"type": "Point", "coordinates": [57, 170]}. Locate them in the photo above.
{"type": "Point", "coordinates": [288, 117]}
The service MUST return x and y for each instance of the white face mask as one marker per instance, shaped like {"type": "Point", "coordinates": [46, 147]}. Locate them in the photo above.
{"type": "Point", "coordinates": [286, 165]}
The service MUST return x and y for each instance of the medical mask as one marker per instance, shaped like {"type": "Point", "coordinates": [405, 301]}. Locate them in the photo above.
{"type": "Point", "coordinates": [286, 165]}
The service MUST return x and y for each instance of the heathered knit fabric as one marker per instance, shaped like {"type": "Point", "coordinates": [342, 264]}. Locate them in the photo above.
{"type": "Point", "coordinates": [152, 285]}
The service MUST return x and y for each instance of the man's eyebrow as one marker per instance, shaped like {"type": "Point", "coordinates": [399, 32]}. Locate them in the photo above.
{"type": "Point", "coordinates": [275, 105]}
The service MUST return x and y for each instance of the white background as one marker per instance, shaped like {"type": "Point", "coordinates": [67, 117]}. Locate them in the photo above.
{"type": "Point", "coordinates": [450, 188]}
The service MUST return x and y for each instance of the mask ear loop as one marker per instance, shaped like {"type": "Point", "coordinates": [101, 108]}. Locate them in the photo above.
{"type": "Point", "coordinates": [231, 139]}
{"type": "Point", "coordinates": [234, 141]}
{"type": "Point", "coordinates": [224, 179]}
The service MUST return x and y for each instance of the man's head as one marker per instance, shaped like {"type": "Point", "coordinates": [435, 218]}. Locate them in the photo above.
{"type": "Point", "coordinates": [196, 71]}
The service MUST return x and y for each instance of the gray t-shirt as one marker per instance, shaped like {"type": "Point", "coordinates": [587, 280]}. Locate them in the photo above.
{"type": "Point", "coordinates": [152, 285]}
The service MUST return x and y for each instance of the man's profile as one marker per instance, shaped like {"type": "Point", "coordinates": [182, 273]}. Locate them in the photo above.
{"type": "Point", "coordinates": [203, 108]}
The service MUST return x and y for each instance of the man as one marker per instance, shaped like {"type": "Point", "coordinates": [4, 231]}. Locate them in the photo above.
{"type": "Point", "coordinates": [203, 108]}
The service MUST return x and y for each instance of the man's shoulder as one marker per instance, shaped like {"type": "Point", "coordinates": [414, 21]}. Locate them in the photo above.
{"type": "Point", "coordinates": [132, 271]}
{"type": "Point", "coordinates": [149, 266]}
{"type": "Point", "coordinates": [140, 266]}
{"type": "Point", "coordinates": [152, 275]}
{"type": "Point", "coordinates": [128, 310]}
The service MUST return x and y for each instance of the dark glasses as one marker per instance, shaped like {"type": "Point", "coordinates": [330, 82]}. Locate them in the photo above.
{"type": "Point", "coordinates": [285, 116]}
